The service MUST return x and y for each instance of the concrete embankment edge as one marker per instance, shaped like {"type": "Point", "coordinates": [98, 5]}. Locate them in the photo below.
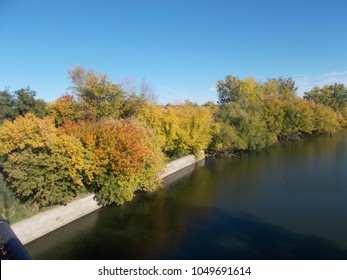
{"type": "Point", "coordinates": [45, 222]}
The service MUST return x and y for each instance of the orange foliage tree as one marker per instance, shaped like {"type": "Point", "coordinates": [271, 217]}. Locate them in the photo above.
{"type": "Point", "coordinates": [126, 157]}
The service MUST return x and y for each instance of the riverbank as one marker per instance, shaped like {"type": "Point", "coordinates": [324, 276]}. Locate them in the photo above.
{"type": "Point", "coordinates": [50, 220]}
{"type": "Point", "coordinates": [284, 202]}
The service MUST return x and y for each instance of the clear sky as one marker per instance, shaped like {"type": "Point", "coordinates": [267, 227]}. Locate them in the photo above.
{"type": "Point", "coordinates": [180, 47]}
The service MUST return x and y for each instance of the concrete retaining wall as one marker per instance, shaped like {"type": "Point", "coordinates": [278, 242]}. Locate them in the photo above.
{"type": "Point", "coordinates": [179, 164]}
{"type": "Point", "coordinates": [45, 222]}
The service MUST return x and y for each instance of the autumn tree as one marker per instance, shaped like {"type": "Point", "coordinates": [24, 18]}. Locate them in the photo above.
{"type": "Point", "coordinates": [273, 114]}
{"type": "Point", "coordinates": [41, 163]}
{"type": "Point", "coordinates": [153, 116]}
{"type": "Point", "coordinates": [181, 129]}
{"type": "Point", "coordinates": [126, 157]}
{"type": "Point", "coordinates": [325, 119]}
{"type": "Point", "coordinates": [195, 128]}
{"type": "Point", "coordinates": [98, 95]}
{"type": "Point", "coordinates": [64, 108]}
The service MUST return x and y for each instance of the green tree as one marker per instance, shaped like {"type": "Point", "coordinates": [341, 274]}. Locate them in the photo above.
{"type": "Point", "coordinates": [228, 137]}
{"type": "Point", "coordinates": [334, 96]}
{"type": "Point", "coordinates": [228, 89]}
{"type": "Point", "coordinates": [26, 103]}
{"type": "Point", "coordinates": [21, 102]}
{"type": "Point", "coordinates": [7, 106]}
{"type": "Point", "coordinates": [245, 125]}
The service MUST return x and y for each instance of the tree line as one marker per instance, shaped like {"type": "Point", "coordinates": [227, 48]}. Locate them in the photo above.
{"type": "Point", "coordinates": [252, 115]}
{"type": "Point", "coordinates": [113, 139]}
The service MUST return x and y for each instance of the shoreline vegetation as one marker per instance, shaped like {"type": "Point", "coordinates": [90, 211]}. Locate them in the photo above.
{"type": "Point", "coordinates": [51, 219]}
{"type": "Point", "coordinates": [113, 139]}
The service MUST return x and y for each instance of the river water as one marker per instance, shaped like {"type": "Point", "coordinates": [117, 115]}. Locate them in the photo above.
{"type": "Point", "coordinates": [288, 201]}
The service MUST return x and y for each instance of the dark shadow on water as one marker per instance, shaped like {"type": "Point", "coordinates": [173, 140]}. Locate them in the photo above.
{"type": "Point", "coordinates": [204, 234]}
{"type": "Point", "coordinates": [227, 236]}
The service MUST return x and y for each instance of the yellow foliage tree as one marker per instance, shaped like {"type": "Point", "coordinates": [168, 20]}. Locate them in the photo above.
{"type": "Point", "coordinates": [40, 162]}
{"type": "Point", "coordinates": [181, 129]}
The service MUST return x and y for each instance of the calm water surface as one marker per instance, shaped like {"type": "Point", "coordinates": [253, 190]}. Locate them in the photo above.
{"type": "Point", "coordinates": [288, 201]}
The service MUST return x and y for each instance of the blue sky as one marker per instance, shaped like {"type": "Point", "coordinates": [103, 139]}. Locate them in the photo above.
{"type": "Point", "coordinates": [180, 47]}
